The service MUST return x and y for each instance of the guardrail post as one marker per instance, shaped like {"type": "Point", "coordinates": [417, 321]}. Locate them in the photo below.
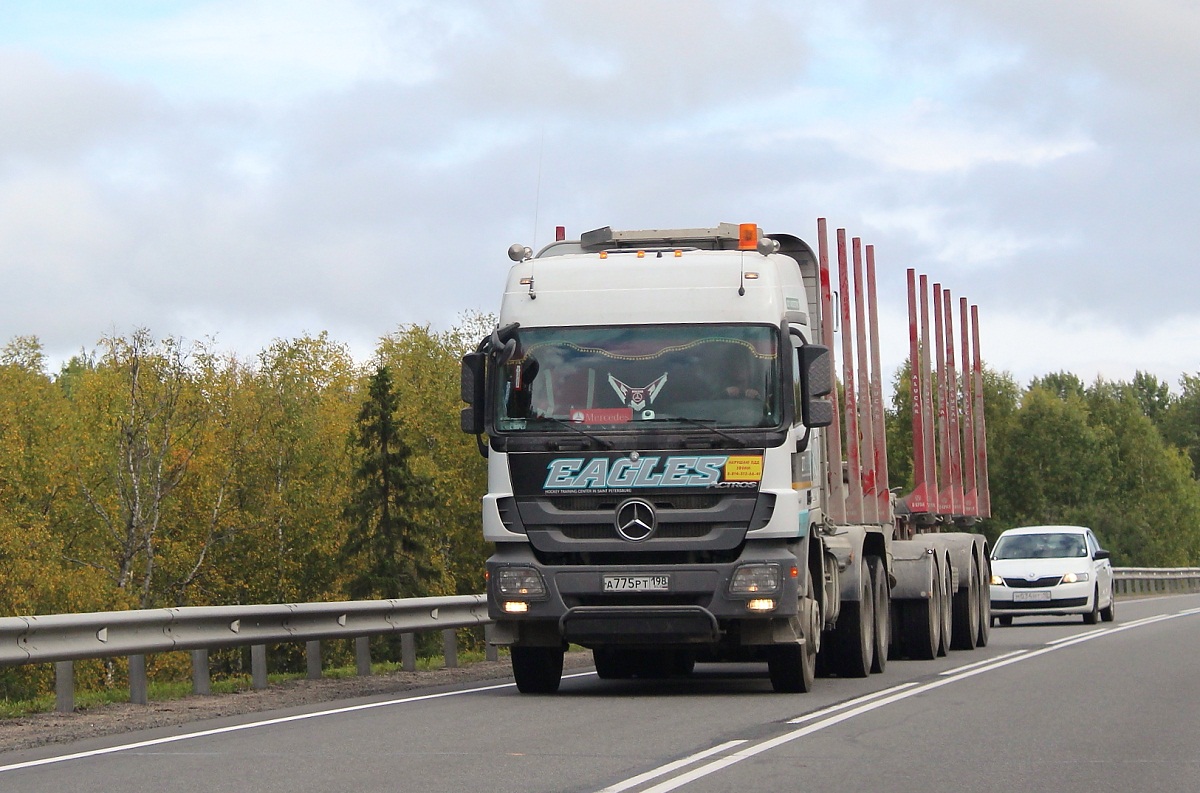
{"type": "Point", "coordinates": [408, 652]}
{"type": "Point", "coordinates": [312, 659]}
{"type": "Point", "coordinates": [138, 693]}
{"type": "Point", "coordinates": [64, 686]}
{"type": "Point", "coordinates": [258, 666]}
{"type": "Point", "coordinates": [491, 651]}
{"type": "Point", "coordinates": [201, 680]}
{"type": "Point", "coordinates": [362, 655]}
{"type": "Point", "coordinates": [450, 647]}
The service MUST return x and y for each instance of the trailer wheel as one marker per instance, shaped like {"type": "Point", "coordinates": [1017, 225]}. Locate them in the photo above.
{"type": "Point", "coordinates": [793, 667]}
{"type": "Point", "coordinates": [922, 621]}
{"type": "Point", "coordinates": [854, 636]}
{"type": "Point", "coordinates": [538, 670]}
{"type": "Point", "coordinates": [966, 612]}
{"type": "Point", "coordinates": [882, 596]}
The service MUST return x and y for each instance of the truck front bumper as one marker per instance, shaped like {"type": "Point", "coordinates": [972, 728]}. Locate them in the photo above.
{"type": "Point", "coordinates": [691, 603]}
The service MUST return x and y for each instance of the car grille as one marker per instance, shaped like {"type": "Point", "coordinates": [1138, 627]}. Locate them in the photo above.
{"type": "Point", "coordinates": [1025, 583]}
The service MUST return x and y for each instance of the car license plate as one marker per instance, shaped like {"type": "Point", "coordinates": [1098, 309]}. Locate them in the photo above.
{"type": "Point", "coordinates": [1027, 597]}
{"type": "Point", "coordinates": [637, 583]}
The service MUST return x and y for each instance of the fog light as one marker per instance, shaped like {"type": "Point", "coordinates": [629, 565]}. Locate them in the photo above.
{"type": "Point", "coordinates": [753, 578]}
{"type": "Point", "coordinates": [515, 607]}
{"type": "Point", "coordinates": [760, 604]}
{"type": "Point", "coordinates": [520, 582]}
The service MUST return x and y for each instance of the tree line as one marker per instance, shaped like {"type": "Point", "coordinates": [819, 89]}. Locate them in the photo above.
{"type": "Point", "coordinates": [158, 473]}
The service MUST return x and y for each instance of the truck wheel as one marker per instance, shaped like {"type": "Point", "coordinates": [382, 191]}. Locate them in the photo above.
{"type": "Point", "coordinates": [793, 667]}
{"type": "Point", "coordinates": [538, 670]}
{"type": "Point", "coordinates": [854, 636]}
{"type": "Point", "coordinates": [882, 596]}
{"type": "Point", "coordinates": [966, 612]}
{"type": "Point", "coordinates": [985, 608]}
{"type": "Point", "coordinates": [947, 606]}
{"type": "Point", "coordinates": [612, 663]}
{"type": "Point", "coordinates": [923, 621]}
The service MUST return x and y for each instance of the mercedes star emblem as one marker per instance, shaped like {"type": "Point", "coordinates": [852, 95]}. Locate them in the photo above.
{"type": "Point", "coordinates": [635, 520]}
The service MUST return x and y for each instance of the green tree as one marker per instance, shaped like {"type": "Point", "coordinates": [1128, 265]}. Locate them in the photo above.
{"type": "Point", "coordinates": [427, 367]}
{"type": "Point", "coordinates": [1181, 422]}
{"type": "Point", "coordinates": [386, 542]}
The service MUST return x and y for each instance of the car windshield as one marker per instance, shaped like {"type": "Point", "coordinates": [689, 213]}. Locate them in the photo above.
{"type": "Point", "coordinates": [1055, 545]}
{"type": "Point", "coordinates": [720, 376]}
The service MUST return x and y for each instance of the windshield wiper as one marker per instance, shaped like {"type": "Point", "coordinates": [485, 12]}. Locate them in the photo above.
{"type": "Point", "coordinates": [571, 426]}
{"type": "Point", "coordinates": [704, 424]}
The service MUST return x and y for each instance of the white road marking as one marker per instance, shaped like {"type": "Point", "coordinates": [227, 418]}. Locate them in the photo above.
{"type": "Point", "coordinates": [669, 767]}
{"type": "Point", "coordinates": [252, 724]}
{"type": "Point", "coordinates": [881, 699]}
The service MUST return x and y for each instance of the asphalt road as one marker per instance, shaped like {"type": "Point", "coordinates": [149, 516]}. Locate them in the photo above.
{"type": "Point", "coordinates": [1050, 704]}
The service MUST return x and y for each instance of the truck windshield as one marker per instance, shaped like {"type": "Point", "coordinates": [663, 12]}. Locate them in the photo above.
{"type": "Point", "coordinates": [609, 378]}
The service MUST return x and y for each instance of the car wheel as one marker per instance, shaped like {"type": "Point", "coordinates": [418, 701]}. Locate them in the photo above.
{"type": "Point", "coordinates": [1109, 613]}
{"type": "Point", "coordinates": [1093, 616]}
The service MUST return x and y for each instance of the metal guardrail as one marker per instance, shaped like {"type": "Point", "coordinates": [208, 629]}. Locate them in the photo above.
{"type": "Point", "coordinates": [1155, 580]}
{"type": "Point", "coordinates": [65, 638]}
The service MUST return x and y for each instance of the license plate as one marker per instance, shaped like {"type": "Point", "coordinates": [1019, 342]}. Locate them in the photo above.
{"type": "Point", "coordinates": [637, 583]}
{"type": "Point", "coordinates": [1026, 597]}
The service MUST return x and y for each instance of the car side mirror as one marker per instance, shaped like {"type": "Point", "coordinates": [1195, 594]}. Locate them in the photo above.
{"type": "Point", "coordinates": [1101, 554]}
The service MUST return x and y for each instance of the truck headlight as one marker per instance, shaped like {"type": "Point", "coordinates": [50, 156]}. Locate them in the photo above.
{"type": "Point", "coordinates": [520, 582]}
{"type": "Point", "coordinates": [751, 579]}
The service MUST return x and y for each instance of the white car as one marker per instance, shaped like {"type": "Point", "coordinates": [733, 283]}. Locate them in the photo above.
{"type": "Point", "coordinates": [1051, 570]}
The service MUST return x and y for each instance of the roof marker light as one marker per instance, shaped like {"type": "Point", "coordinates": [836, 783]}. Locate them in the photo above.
{"type": "Point", "coordinates": [641, 254]}
{"type": "Point", "coordinates": [678, 253]}
{"type": "Point", "coordinates": [603, 254]}
{"type": "Point", "coordinates": [747, 237]}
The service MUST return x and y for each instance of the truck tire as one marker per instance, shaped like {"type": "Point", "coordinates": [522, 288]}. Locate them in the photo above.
{"type": "Point", "coordinates": [966, 612]}
{"type": "Point", "coordinates": [882, 596]}
{"type": "Point", "coordinates": [947, 606]}
{"type": "Point", "coordinates": [922, 621]}
{"type": "Point", "coordinates": [537, 670]}
{"type": "Point", "coordinates": [793, 667]}
{"type": "Point", "coordinates": [854, 636]}
{"type": "Point", "coordinates": [985, 606]}
{"type": "Point", "coordinates": [613, 663]}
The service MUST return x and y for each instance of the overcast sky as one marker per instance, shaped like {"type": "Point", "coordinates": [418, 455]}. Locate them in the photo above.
{"type": "Point", "coordinates": [257, 169]}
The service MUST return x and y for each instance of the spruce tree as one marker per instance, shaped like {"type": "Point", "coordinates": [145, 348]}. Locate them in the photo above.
{"type": "Point", "coordinates": [386, 538]}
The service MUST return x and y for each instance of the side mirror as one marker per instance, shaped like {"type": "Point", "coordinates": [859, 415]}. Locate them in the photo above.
{"type": "Point", "coordinates": [1101, 554]}
{"type": "Point", "coordinates": [471, 389]}
{"type": "Point", "coordinates": [816, 382]}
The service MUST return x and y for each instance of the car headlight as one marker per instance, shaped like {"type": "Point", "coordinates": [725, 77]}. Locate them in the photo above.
{"type": "Point", "coordinates": [1074, 578]}
{"type": "Point", "coordinates": [750, 579]}
{"type": "Point", "coordinates": [997, 580]}
{"type": "Point", "coordinates": [521, 582]}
